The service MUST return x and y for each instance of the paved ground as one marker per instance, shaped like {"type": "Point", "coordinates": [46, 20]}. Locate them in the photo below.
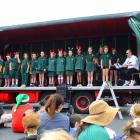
{"type": "Point", "coordinates": [117, 125]}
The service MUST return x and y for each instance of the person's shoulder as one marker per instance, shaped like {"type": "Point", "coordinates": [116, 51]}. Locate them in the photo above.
{"type": "Point", "coordinates": [63, 116]}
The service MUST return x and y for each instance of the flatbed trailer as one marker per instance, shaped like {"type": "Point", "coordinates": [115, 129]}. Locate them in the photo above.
{"type": "Point", "coordinates": [113, 30]}
{"type": "Point", "coordinates": [78, 97]}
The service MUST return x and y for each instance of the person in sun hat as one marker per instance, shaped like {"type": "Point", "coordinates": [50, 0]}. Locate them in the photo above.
{"type": "Point", "coordinates": [93, 127]}
{"type": "Point", "coordinates": [6, 70]}
{"type": "Point", "coordinates": [17, 112]}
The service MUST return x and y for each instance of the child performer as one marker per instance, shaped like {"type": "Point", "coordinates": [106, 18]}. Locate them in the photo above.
{"type": "Point", "coordinates": [1, 69]}
{"type": "Point", "coordinates": [113, 70]}
{"type": "Point", "coordinates": [14, 69]}
{"type": "Point", "coordinates": [51, 68]}
{"type": "Point", "coordinates": [90, 66]}
{"type": "Point", "coordinates": [42, 65]}
{"type": "Point", "coordinates": [60, 66]}
{"type": "Point", "coordinates": [79, 65]}
{"type": "Point", "coordinates": [25, 70]}
{"type": "Point", "coordinates": [105, 64]}
{"type": "Point", "coordinates": [6, 71]}
{"type": "Point", "coordinates": [33, 70]}
{"type": "Point", "coordinates": [70, 64]}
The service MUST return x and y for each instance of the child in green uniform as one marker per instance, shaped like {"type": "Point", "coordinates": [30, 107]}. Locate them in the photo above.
{"type": "Point", "coordinates": [14, 69]}
{"type": "Point", "coordinates": [42, 66]}
{"type": "Point", "coordinates": [1, 69]}
{"type": "Point", "coordinates": [51, 68]}
{"type": "Point", "coordinates": [70, 64]}
{"type": "Point", "coordinates": [33, 70]}
{"type": "Point", "coordinates": [6, 71]}
{"type": "Point", "coordinates": [79, 65]}
{"type": "Point", "coordinates": [90, 65]}
{"type": "Point", "coordinates": [60, 66]}
{"type": "Point", "coordinates": [25, 70]}
{"type": "Point", "coordinates": [105, 63]}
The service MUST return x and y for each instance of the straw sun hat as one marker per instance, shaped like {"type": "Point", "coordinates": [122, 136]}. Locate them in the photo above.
{"type": "Point", "coordinates": [100, 113]}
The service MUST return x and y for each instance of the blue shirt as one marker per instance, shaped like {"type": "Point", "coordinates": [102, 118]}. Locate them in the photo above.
{"type": "Point", "coordinates": [59, 120]}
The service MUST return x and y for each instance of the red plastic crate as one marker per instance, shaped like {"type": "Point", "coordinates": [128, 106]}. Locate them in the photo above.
{"type": "Point", "coordinates": [6, 97]}
{"type": "Point", "coordinates": [33, 96]}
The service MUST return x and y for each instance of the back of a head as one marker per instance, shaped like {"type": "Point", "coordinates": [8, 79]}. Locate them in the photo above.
{"type": "Point", "coordinates": [53, 104]}
{"type": "Point", "coordinates": [31, 122]}
{"type": "Point", "coordinates": [132, 129]}
{"type": "Point", "coordinates": [135, 110]}
{"type": "Point", "coordinates": [74, 119]}
{"type": "Point", "coordinates": [56, 135]}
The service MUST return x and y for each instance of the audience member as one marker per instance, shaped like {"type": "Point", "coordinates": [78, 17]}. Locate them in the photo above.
{"type": "Point", "coordinates": [31, 122]}
{"type": "Point", "coordinates": [74, 123]}
{"type": "Point", "coordinates": [135, 111]}
{"type": "Point", "coordinates": [93, 127]}
{"type": "Point", "coordinates": [4, 117]}
{"type": "Point", "coordinates": [52, 118]}
{"type": "Point", "coordinates": [132, 130]}
{"type": "Point", "coordinates": [56, 135]}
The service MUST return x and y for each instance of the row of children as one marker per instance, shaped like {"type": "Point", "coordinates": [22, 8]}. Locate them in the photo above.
{"type": "Point", "coordinates": [57, 66]}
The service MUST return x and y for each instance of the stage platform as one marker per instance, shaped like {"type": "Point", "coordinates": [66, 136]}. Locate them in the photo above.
{"type": "Point", "coordinates": [73, 88]}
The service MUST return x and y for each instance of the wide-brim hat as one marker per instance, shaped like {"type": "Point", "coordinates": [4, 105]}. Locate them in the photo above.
{"type": "Point", "coordinates": [100, 113]}
{"type": "Point", "coordinates": [135, 110]}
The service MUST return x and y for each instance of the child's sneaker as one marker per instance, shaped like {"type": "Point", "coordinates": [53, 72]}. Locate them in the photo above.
{"type": "Point", "coordinates": [23, 86]}
{"type": "Point", "coordinates": [126, 83]}
{"type": "Point", "coordinates": [132, 83]}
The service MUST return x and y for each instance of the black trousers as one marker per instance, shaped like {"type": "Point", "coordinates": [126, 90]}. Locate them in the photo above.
{"type": "Point", "coordinates": [126, 74]}
{"type": "Point", "coordinates": [129, 72]}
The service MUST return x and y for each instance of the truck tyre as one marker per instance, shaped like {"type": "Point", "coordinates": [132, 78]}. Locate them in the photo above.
{"type": "Point", "coordinates": [81, 102]}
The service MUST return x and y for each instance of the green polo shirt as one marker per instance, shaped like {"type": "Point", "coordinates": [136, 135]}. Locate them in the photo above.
{"type": "Point", "coordinates": [70, 63]}
{"type": "Point", "coordinates": [105, 57]}
{"type": "Point", "coordinates": [6, 65]}
{"type": "Point", "coordinates": [15, 64]}
{"type": "Point", "coordinates": [52, 64]}
{"type": "Point", "coordinates": [24, 64]}
{"type": "Point", "coordinates": [42, 63]}
{"type": "Point", "coordinates": [79, 62]}
{"type": "Point", "coordinates": [60, 64]}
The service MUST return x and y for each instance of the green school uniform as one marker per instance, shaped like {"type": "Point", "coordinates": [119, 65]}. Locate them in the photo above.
{"type": "Point", "coordinates": [90, 65]}
{"type": "Point", "coordinates": [24, 73]}
{"type": "Point", "coordinates": [14, 72]}
{"type": "Point", "coordinates": [94, 132]}
{"type": "Point", "coordinates": [79, 63]}
{"type": "Point", "coordinates": [51, 67]}
{"type": "Point", "coordinates": [33, 66]}
{"type": "Point", "coordinates": [70, 64]}
{"type": "Point", "coordinates": [105, 57]}
{"type": "Point", "coordinates": [42, 64]}
{"type": "Point", "coordinates": [1, 68]}
{"type": "Point", "coordinates": [60, 65]}
{"type": "Point", "coordinates": [7, 71]}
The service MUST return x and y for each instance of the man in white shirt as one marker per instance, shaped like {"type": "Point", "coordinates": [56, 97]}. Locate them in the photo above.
{"type": "Point", "coordinates": [132, 66]}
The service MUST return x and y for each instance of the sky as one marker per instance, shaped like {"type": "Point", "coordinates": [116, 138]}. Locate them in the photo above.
{"type": "Point", "coordinates": [15, 12]}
